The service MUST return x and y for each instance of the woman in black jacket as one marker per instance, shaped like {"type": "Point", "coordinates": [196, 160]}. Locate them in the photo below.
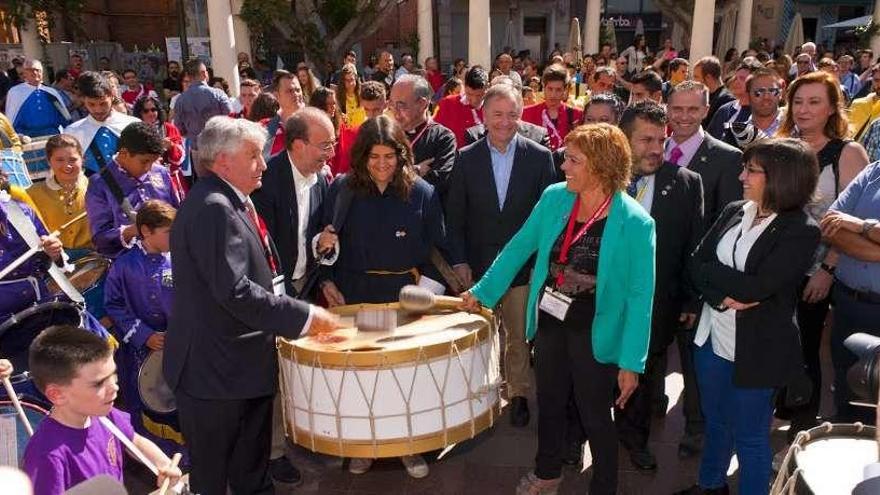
{"type": "Point", "coordinates": [748, 270]}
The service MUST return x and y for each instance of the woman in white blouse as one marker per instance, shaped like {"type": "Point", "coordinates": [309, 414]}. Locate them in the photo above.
{"type": "Point", "coordinates": [748, 270]}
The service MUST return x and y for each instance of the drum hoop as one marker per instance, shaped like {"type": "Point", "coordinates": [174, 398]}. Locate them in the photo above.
{"type": "Point", "coordinates": [140, 375]}
{"type": "Point", "coordinates": [384, 358]}
{"type": "Point", "coordinates": [36, 308]}
{"type": "Point", "coordinates": [25, 405]}
{"type": "Point", "coordinates": [395, 447]}
{"type": "Point", "coordinates": [827, 431]}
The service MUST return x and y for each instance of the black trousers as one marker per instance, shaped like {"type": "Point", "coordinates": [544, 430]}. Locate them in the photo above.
{"type": "Point", "coordinates": [564, 363]}
{"type": "Point", "coordinates": [229, 442]}
{"type": "Point", "coordinates": [811, 321]}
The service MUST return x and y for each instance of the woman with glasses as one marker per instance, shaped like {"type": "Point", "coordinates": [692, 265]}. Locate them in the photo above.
{"type": "Point", "coordinates": [815, 114]}
{"type": "Point", "coordinates": [748, 269]}
{"type": "Point", "coordinates": [150, 110]}
{"type": "Point", "coordinates": [392, 221]}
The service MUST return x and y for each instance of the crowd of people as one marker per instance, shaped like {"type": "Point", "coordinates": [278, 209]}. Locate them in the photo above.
{"type": "Point", "coordinates": [605, 207]}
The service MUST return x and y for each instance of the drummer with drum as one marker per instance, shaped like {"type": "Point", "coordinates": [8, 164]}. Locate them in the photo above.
{"type": "Point", "coordinates": [138, 298]}
{"type": "Point", "coordinates": [393, 221]}
{"type": "Point", "coordinates": [129, 180]}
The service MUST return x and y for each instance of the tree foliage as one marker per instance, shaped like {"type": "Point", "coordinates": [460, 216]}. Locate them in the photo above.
{"type": "Point", "coordinates": [20, 11]}
{"type": "Point", "coordinates": [321, 29]}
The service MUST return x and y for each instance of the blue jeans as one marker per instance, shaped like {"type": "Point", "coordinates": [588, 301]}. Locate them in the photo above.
{"type": "Point", "coordinates": [737, 419]}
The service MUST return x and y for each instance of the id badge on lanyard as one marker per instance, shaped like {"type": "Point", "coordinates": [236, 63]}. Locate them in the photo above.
{"type": "Point", "coordinates": [555, 303]}
{"type": "Point", "coordinates": [278, 286]}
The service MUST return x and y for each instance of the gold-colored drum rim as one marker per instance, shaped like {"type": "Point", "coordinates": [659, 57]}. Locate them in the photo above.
{"type": "Point", "coordinates": [370, 359]}
{"type": "Point", "coordinates": [395, 447]}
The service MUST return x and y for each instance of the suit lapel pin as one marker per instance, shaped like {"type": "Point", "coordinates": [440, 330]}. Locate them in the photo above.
{"type": "Point", "coordinates": [703, 158]}
{"type": "Point", "coordinates": [400, 233]}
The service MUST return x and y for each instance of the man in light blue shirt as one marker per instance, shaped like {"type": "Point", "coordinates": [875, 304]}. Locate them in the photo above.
{"type": "Point", "coordinates": [195, 106]}
{"type": "Point", "coordinates": [852, 227]}
{"type": "Point", "coordinates": [502, 164]}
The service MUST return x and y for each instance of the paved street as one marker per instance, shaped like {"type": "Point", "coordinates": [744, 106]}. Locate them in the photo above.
{"type": "Point", "coordinates": [493, 462]}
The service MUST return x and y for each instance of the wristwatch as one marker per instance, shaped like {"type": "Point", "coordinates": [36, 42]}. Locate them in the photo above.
{"type": "Point", "coordinates": [828, 268]}
{"type": "Point", "coordinates": [867, 225]}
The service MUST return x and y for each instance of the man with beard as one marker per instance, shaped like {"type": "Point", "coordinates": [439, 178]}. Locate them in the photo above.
{"type": "Point", "coordinates": [385, 70]}
{"type": "Point", "coordinates": [673, 196]}
{"type": "Point", "coordinates": [172, 84]}
{"type": "Point", "coordinates": [98, 134]}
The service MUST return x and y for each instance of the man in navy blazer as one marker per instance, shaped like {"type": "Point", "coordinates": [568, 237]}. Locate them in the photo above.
{"type": "Point", "coordinates": [495, 184]}
{"type": "Point", "coordinates": [220, 358]}
{"type": "Point", "coordinates": [673, 196]}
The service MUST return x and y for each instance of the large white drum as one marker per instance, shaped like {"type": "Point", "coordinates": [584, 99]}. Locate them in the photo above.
{"type": "Point", "coordinates": [431, 382]}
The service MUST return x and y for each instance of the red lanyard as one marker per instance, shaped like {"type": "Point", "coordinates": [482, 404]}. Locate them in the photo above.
{"type": "Point", "coordinates": [570, 237]}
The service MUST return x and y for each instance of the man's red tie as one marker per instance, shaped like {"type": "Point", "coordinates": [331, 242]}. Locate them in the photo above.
{"type": "Point", "coordinates": [264, 234]}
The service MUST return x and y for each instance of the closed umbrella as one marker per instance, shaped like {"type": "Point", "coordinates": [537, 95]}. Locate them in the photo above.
{"type": "Point", "coordinates": [795, 35]}
{"type": "Point", "coordinates": [726, 34]}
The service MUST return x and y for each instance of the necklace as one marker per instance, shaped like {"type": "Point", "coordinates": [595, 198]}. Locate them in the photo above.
{"type": "Point", "coordinates": [68, 195]}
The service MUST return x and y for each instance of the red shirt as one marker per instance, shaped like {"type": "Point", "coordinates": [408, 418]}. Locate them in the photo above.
{"type": "Point", "coordinates": [435, 79]}
{"type": "Point", "coordinates": [341, 162]}
{"type": "Point", "coordinates": [458, 116]}
{"type": "Point", "coordinates": [278, 140]}
{"type": "Point", "coordinates": [558, 130]}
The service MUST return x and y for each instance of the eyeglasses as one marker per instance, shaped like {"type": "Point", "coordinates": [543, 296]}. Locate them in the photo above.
{"type": "Point", "coordinates": [759, 92]}
{"type": "Point", "coordinates": [750, 170]}
{"type": "Point", "coordinates": [326, 146]}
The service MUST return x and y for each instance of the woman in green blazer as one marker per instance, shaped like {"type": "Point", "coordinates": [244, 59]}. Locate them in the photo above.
{"type": "Point", "coordinates": [590, 297]}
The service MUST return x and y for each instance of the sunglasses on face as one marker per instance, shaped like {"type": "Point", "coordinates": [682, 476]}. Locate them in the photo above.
{"type": "Point", "coordinates": [759, 92]}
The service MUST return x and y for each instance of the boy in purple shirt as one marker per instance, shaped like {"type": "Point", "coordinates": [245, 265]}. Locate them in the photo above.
{"type": "Point", "coordinates": [138, 297]}
{"type": "Point", "coordinates": [75, 370]}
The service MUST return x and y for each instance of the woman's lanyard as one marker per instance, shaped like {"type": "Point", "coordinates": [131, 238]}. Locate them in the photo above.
{"type": "Point", "coordinates": [570, 237]}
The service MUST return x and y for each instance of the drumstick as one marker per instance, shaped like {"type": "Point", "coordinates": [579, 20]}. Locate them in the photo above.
{"type": "Point", "coordinates": [14, 398]}
{"type": "Point", "coordinates": [34, 250]}
{"type": "Point", "coordinates": [175, 459]}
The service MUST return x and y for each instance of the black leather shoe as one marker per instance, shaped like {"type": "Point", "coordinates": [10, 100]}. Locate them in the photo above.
{"type": "Point", "coordinates": [519, 412]}
{"type": "Point", "coordinates": [282, 471]}
{"type": "Point", "coordinates": [643, 459]}
{"type": "Point", "coordinates": [690, 445]}
{"type": "Point", "coordinates": [698, 490]}
{"type": "Point", "coordinates": [574, 454]}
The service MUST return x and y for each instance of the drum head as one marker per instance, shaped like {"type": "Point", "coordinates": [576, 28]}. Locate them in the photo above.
{"type": "Point", "coordinates": [87, 273]}
{"type": "Point", "coordinates": [17, 333]}
{"type": "Point", "coordinates": [154, 392]}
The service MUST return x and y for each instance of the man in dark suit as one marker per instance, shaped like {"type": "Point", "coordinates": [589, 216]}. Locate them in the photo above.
{"type": "Point", "coordinates": [433, 144]}
{"type": "Point", "coordinates": [529, 131]}
{"type": "Point", "coordinates": [674, 197]}
{"type": "Point", "coordinates": [220, 350]}
{"type": "Point", "coordinates": [719, 166]}
{"type": "Point", "coordinates": [495, 183]}
{"type": "Point", "coordinates": [291, 205]}
{"type": "Point", "coordinates": [718, 163]}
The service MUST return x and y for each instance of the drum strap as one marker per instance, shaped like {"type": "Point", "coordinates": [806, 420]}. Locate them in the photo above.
{"type": "Point", "coordinates": [128, 444]}
{"type": "Point", "coordinates": [111, 182]}
{"type": "Point", "coordinates": [5, 140]}
{"type": "Point", "coordinates": [26, 229]}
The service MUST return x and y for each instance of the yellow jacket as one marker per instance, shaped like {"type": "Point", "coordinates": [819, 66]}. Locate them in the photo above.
{"type": "Point", "coordinates": [862, 112]}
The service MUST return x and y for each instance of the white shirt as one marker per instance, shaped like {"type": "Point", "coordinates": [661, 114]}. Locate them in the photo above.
{"type": "Point", "coordinates": [302, 186]}
{"type": "Point", "coordinates": [645, 191]}
{"type": "Point", "coordinates": [732, 250]}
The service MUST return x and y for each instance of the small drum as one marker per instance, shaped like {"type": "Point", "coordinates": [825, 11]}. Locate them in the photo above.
{"type": "Point", "coordinates": [152, 388]}
{"type": "Point", "coordinates": [827, 459]}
{"type": "Point", "coordinates": [17, 333]}
{"type": "Point", "coordinates": [16, 170]}
{"type": "Point", "coordinates": [13, 435]}
{"type": "Point", "coordinates": [35, 158]}
{"type": "Point", "coordinates": [431, 382]}
{"type": "Point", "coordinates": [88, 273]}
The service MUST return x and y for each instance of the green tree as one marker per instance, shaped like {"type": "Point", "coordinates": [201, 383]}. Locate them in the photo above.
{"type": "Point", "coordinates": [321, 29]}
{"type": "Point", "coordinates": [67, 11]}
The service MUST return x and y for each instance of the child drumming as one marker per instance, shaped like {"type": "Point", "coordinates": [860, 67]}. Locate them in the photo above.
{"type": "Point", "coordinates": [75, 370]}
{"type": "Point", "coordinates": [138, 296]}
